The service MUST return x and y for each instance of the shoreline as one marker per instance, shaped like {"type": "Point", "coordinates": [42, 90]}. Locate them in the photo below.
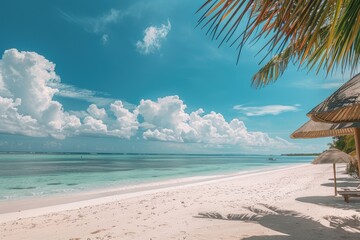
{"type": "Point", "coordinates": [295, 202]}
{"type": "Point", "coordinates": [37, 206]}
{"type": "Point", "coordinates": [71, 175]}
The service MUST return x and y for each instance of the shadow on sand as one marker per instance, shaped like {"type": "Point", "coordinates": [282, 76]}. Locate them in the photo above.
{"type": "Point", "coordinates": [342, 184]}
{"type": "Point", "coordinates": [331, 201]}
{"type": "Point", "coordinates": [346, 179]}
{"type": "Point", "coordinates": [293, 224]}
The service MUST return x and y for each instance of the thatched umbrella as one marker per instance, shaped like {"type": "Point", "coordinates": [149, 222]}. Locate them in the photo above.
{"type": "Point", "coordinates": [342, 106]}
{"type": "Point", "coordinates": [333, 156]}
{"type": "Point", "coordinates": [313, 129]}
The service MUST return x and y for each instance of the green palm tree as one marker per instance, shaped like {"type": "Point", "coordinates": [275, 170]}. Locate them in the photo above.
{"type": "Point", "coordinates": [320, 34]}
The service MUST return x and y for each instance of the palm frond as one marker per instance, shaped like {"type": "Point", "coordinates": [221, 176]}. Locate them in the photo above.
{"type": "Point", "coordinates": [312, 33]}
{"type": "Point", "coordinates": [274, 68]}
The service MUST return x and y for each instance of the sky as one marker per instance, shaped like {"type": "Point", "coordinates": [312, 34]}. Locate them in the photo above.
{"type": "Point", "coordinates": [138, 76]}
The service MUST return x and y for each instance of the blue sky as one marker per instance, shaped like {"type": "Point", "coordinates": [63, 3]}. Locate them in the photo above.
{"type": "Point", "coordinates": [136, 76]}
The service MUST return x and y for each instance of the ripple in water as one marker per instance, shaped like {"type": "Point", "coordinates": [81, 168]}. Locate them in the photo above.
{"type": "Point", "coordinates": [21, 188]}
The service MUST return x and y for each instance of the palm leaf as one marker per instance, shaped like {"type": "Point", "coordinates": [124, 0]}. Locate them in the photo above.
{"type": "Point", "coordinates": [312, 33]}
{"type": "Point", "coordinates": [274, 68]}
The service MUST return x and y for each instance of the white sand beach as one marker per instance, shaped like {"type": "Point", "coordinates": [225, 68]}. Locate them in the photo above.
{"type": "Point", "coordinates": [287, 203]}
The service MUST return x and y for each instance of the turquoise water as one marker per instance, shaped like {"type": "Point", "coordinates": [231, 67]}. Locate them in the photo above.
{"type": "Point", "coordinates": [28, 175]}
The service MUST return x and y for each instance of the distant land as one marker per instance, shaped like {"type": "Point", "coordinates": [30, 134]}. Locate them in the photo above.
{"type": "Point", "coordinates": [300, 154]}
{"type": "Point", "coordinates": [188, 154]}
{"type": "Point", "coordinates": [132, 153]}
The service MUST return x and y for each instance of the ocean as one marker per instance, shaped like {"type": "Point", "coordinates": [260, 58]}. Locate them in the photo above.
{"type": "Point", "coordinates": [29, 175]}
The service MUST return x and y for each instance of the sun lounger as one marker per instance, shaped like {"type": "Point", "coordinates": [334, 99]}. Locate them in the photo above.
{"type": "Point", "coordinates": [349, 192]}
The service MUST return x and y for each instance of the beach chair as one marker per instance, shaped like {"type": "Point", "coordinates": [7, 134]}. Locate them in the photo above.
{"type": "Point", "coordinates": [349, 192]}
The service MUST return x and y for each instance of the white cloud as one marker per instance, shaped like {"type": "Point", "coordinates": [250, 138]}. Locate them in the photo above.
{"type": "Point", "coordinates": [165, 135]}
{"type": "Point", "coordinates": [266, 110]}
{"type": "Point", "coordinates": [98, 25]}
{"type": "Point", "coordinates": [126, 124]}
{"type": "Point", "coordinates": [3, 90]}
{"type": "Point", "coordinates": [169, 112]}
{"type": "Point", "coordinates": [13, 122]}
{"type": "Point", "coordinates": [101, 22]}
{"type": "Point", "coordinates": [69, 91]}
{"type": "Point", "coordinates": [98, 113]}
{"type": "Point", "coordinates": [330, 83]}
{"type": "Point", "coordinates": [104, 38]}
{"type": "Point", "coordinates": [31, 107]}
{"type": "Point", "coordinates": [153, 36]}
{"type": "Point", "coordinates": [117, 122]}
{"type": "Point", "coordinates": [94, 126]}
{"type": "Point", "coordinates": [167, 121]}
{"type": "Point", "coordinates": [28, 108]}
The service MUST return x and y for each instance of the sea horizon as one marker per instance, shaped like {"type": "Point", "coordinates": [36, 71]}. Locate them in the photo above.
{"type": "Point", "coordinates": [148, 153]}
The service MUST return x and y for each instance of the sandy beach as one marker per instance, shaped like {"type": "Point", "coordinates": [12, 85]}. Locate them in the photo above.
{"type": "Point", "coordinates": [287, 203]}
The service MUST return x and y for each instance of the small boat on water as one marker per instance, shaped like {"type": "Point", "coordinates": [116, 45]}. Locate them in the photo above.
{"type": "Point", "coordinates": [271, 159]}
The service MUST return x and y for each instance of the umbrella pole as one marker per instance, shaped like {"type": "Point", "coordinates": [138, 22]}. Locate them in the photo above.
{"type": "Point", "coordinates": [357, 145]}
{"type": "Point", "coordinates": [334, 168]}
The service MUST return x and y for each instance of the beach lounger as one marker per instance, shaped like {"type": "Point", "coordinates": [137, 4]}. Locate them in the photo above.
{"type": "Point", "coordinates": [349, 192]}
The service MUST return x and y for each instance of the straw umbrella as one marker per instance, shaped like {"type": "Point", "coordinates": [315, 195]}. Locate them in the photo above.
{"type": "Point", "coordinates": [342, 106]}
{"type": "Point", "coordinates": [313, 129]}
{"type": "Point", "coordinates": [333, 156]}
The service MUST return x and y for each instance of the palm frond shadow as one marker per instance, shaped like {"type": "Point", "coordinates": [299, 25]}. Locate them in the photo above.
{"type": "Point", "coordinates": [350, 224]}
{"type": "Point", "coordinates": [291, 224]}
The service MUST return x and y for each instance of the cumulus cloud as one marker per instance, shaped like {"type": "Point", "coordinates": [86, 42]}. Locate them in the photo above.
{"type": "Point", "coordinates": [27, 106]}
{"type": "Point", "coordinates": [29, 84]}
{"type": "Point", "coordinates": [266, 110]}
{"type": "Point", "coordinates": [153, 37]}
{"type": "Point", "coordinates": [94, 126]}
{"type": "Point", "coordinates": [15, 123]}
{"type": "Point", "coordinates": [117, 122]}
{"type": "Point", "coordinates": [94, 111]}
{"type": "Point", "coordinates": [30, 105]}
{"type": "Point", "coordinates": [166, 120]}
{"type": "Point", "coordinates": [126, 123]}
